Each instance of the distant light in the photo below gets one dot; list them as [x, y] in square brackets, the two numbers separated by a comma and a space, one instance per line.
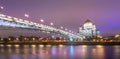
[51, 23]
[99, 46]
[53, 36]
[1, 7]
[41, 46]
[33, 46]
[66, 29]
[117, 35]
[42, 20]
[84, 46]
[69, 30]
[26, 15]
[61, 27]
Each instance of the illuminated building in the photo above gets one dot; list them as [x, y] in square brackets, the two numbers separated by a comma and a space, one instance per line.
[89, 30]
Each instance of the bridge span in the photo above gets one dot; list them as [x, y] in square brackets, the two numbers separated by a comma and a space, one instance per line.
[13, 22]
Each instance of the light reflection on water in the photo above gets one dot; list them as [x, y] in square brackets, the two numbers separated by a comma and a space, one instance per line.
[59, 52]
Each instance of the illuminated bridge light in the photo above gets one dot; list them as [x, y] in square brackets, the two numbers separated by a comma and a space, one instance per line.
[2, 15]
[9, 17]
[21, 20]
[15, 19]
[1, 7]
[26, 15]
[42, 20]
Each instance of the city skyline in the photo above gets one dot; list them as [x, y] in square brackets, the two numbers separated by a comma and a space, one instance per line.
[69, 14]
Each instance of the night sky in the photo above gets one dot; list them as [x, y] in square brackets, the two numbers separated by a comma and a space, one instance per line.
[70, 14]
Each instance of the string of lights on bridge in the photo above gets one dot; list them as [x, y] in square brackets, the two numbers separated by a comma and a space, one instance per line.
[9, 18]
[42, 21]
[51, 23]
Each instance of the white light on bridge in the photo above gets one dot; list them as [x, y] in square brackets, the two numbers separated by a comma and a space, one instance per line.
[61, 27]
[66, 29]
[51, 23]
[26, 15]
[2, 15]
[69, 30]
[42, 20]
[9, 17]
[1, 7]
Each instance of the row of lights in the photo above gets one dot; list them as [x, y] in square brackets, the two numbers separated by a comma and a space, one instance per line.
[42, 21]
[70, 32]
[27, 16]
[20, 20]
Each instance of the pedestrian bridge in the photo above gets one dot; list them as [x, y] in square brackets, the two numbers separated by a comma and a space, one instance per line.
[13, 22]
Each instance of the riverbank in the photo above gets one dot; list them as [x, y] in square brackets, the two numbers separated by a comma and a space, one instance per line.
[63, 43]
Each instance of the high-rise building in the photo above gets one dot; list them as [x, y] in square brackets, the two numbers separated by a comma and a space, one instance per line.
[89, 30]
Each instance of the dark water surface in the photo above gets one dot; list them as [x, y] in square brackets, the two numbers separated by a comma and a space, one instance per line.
[59, 52]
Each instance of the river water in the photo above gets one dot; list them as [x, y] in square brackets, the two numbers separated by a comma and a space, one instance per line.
[59, 52]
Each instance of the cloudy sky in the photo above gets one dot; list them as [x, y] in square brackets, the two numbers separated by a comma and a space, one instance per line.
[68, 13]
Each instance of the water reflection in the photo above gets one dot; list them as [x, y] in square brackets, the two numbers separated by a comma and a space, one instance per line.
[98, 52]
[71, 52]
[59, 52]
[116, 52]
[84, 48]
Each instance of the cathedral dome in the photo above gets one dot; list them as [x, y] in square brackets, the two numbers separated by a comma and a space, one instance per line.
[88, 24]
[88, 21]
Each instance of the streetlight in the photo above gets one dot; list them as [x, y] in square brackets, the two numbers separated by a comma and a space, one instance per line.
[1, 7]
[42, 20]
[26, 15]
[51, 23]
[61, 27]
[66, 29]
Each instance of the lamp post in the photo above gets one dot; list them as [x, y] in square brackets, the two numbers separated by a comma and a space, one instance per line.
[1, 8]
[26, 15]
[61, 27]
[42, 20]
[66, 29]
[51, 23]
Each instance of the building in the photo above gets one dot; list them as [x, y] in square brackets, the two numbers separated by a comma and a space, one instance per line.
[89, 30]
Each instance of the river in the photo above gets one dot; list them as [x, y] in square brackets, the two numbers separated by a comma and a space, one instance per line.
[59, 52]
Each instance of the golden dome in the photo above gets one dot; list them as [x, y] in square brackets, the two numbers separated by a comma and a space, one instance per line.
[88, 21]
